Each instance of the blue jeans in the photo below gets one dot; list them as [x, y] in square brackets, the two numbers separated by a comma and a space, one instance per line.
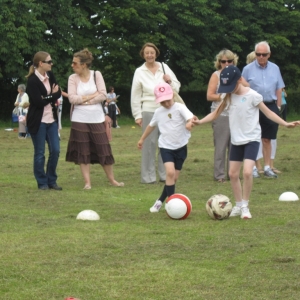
[46, 133]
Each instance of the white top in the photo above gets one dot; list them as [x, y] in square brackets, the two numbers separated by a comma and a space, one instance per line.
[106, 109]
[87, 113]
[60, 101]
[142, 90]
[171, 124]
[111, 96]
[244, 118]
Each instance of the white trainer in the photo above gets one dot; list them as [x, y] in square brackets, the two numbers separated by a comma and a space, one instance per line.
[236, 211]
[255, 173]
[245, 213]
[269, 173]
[156, 207]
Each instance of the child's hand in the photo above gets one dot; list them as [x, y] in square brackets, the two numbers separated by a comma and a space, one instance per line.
[196, 121]
[140, 144]
[292, 124]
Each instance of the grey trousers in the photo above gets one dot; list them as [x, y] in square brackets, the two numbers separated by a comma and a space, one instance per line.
[148, 170]
[222, 146]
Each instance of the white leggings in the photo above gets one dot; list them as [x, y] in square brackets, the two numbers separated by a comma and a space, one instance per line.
[273, 150]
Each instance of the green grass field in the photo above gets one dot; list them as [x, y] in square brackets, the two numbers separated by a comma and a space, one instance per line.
[131, 254]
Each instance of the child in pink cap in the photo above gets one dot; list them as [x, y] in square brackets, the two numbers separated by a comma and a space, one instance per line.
[174, 121]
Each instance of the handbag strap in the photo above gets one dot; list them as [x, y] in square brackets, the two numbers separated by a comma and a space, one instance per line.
[162, 64]
[97, 90]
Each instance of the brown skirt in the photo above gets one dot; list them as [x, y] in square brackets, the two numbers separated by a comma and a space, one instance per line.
[88, 144]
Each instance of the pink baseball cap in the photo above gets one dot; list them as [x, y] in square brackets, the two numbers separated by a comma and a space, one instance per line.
[162, 92]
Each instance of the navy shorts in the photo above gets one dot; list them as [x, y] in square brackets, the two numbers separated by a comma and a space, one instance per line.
[246, 151]
[269, 128]
[177, 156]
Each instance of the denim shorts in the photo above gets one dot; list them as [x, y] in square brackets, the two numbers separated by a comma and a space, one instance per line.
[176, 156]
[246, 151]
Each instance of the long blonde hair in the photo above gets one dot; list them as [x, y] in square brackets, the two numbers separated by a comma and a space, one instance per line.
[250, 57]
[223, 104]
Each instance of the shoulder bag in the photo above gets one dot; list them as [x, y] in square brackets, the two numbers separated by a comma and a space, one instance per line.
[177, 97]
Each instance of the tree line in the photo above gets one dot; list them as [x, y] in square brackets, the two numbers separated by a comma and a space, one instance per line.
[188, 33]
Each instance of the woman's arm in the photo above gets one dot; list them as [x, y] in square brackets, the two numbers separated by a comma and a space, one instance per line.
[212, 94]
[146, 133]
[244, 82]
[135, 99]
[25, 99]
[100, 95]
[279, 98]
[38, 93]
[64, 94]
[72, 90]
[171, 78]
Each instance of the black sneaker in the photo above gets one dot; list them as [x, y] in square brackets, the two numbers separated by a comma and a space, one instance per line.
[55, 187]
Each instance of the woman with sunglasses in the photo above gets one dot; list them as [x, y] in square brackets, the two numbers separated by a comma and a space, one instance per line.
[42, 123]
[88, 142]
[220, 126]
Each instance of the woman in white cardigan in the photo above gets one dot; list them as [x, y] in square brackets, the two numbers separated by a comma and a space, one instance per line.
[22, 98]
[143, 106]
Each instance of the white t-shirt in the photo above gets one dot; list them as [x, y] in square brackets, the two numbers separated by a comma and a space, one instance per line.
[171, 124]
[87, 113]
[244, 118]
[111, 96]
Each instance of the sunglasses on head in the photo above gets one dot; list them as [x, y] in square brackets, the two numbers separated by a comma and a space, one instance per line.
[262, 54]
[49, 62]
[224, 61]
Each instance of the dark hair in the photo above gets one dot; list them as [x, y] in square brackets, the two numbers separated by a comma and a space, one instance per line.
[111, 88]
[85, 56]
[149, 45]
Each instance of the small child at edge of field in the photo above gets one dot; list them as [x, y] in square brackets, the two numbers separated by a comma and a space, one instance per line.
[174, 121]
[243, 105]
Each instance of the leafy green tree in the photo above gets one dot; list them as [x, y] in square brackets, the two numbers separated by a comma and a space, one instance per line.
[188, 33]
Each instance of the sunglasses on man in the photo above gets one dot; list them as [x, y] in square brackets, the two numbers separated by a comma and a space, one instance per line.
[262, 54]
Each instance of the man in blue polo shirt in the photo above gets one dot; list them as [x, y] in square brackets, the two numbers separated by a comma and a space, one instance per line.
[265, 78]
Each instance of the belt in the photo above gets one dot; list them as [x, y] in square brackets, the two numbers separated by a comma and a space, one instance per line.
[270, 102]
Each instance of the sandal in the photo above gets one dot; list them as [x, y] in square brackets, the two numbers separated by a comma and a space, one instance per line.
[87, 187]
[276, 171]
[118, 184]
[221, 180]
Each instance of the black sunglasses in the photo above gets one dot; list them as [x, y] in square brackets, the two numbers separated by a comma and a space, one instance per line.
[49, 62]
[224, 61]
[262, 54]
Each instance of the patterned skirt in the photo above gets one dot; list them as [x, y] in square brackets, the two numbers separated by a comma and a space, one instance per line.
[88, 144]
